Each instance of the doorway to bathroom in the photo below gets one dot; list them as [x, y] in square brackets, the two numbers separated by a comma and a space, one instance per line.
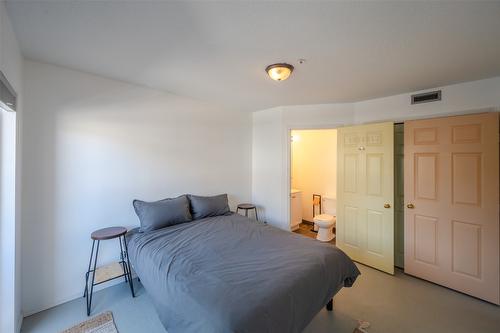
[313, 180]
[366, 166]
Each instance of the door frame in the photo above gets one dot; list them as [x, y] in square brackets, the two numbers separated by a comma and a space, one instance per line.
[9, 204]
[288, 159]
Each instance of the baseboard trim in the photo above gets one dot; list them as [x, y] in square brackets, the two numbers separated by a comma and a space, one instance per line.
[307, 222]
[19, 323]
[27, 313]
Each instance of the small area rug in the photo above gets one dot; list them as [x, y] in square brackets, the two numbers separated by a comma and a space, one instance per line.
[102, 323]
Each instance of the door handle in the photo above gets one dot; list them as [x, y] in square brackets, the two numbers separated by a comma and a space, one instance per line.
[387, 205]
[410, 205]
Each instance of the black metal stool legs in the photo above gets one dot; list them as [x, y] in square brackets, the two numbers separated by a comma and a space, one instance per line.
[115, 270]
[88, 271]
[89, 295]
[90, 282]
[122, 257]
[246, 211]
[129, 271]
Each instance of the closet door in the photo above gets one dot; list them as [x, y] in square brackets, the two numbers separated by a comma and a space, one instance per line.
[452, 193]
[365, 194]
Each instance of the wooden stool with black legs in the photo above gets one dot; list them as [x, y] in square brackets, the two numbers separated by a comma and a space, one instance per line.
[109, 272]
[246, 207]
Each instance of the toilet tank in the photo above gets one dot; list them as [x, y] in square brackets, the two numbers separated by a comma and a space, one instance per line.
[329, 206]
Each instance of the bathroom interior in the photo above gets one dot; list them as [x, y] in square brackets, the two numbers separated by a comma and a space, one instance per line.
[314, 183]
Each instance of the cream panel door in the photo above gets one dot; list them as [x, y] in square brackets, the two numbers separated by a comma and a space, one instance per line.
[365, 194]
[452, 193]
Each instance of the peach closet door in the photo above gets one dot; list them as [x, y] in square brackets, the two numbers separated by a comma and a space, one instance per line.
[365, 194]
[452, 194]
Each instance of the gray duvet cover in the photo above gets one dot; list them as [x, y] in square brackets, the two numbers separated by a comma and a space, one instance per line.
[232, 274]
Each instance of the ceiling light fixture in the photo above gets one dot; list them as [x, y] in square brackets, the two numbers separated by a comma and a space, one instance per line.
[279, 72]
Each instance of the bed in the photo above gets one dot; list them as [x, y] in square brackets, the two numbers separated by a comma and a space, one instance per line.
[232, 274]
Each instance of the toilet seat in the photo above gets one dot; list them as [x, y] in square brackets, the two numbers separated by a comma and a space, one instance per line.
[324, 219]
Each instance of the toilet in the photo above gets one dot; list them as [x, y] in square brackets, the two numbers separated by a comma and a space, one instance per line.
[325, 224]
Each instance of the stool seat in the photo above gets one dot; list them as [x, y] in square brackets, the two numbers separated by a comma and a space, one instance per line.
[246, 206]
[108, 233]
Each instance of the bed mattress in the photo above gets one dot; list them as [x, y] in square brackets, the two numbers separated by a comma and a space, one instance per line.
[233, 274]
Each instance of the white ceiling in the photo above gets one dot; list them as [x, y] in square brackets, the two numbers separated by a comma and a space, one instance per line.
[217, 51]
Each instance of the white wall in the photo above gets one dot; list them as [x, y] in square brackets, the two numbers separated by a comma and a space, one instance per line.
[92, 145]
[467, 97]
[268, 163]
[271, 144]
[314, 166]
[10, 232]
[271, 152]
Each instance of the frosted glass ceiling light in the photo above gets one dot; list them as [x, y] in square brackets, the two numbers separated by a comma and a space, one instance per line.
[279, 72]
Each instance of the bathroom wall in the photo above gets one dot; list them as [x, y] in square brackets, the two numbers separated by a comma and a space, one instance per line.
[314, 165]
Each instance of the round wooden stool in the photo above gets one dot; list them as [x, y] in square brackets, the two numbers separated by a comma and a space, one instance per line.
[246, 207]
[111, 271]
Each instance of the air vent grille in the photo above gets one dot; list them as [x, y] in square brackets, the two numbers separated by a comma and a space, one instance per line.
[427, 97]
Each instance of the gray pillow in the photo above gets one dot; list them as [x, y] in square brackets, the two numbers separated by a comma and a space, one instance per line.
[163, 213]
[208, 206]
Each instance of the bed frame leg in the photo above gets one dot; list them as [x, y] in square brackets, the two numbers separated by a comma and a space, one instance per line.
[329, 305]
